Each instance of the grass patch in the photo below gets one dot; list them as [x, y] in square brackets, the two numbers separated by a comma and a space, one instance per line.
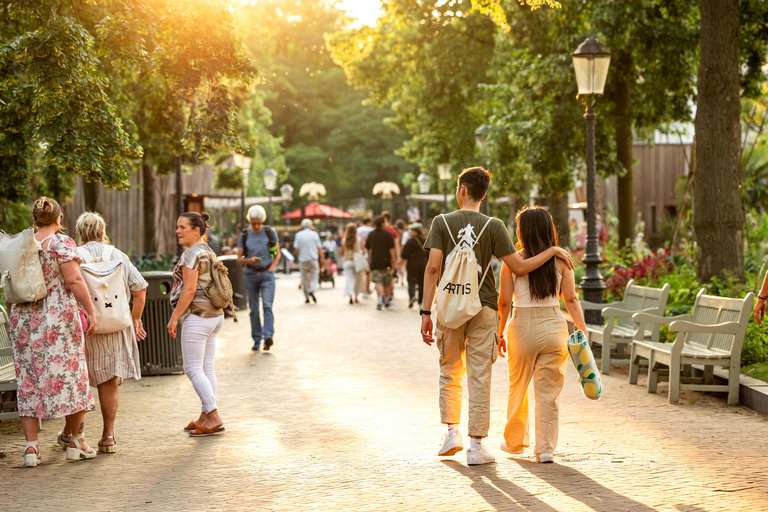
[757, 370]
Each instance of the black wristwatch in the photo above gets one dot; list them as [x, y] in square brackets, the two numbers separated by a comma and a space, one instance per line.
[425, 312]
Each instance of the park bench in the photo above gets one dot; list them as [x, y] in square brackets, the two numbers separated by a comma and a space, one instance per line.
[621, 331]
[711, 335]
[7, 371]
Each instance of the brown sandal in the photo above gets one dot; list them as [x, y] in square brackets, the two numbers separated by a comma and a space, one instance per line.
[191, 427]
[202, 431]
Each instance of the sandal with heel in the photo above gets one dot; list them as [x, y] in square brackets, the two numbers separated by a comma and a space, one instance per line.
[77, 453]
[107, 448]
[32, 459]
[60, 439]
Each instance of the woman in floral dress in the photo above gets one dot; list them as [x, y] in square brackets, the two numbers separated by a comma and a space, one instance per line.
[47, 340]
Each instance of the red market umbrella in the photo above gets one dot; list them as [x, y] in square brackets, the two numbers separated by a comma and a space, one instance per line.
[318, 211]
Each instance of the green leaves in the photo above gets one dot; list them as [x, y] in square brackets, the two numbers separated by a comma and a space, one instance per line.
[60, 103]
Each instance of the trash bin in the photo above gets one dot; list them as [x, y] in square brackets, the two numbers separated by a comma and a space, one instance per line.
[236, 278]
[160, 354]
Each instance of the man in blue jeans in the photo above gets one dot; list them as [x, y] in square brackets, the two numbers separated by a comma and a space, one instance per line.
[255, 249]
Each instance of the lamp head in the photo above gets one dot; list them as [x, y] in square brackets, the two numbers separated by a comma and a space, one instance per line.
[270, 180]
[444, 171]
[591, 61]
[423, 181]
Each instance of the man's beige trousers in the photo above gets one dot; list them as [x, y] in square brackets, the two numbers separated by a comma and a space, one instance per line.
[537, 340]
[473, 348]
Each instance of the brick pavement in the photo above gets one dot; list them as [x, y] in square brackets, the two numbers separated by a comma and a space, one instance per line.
[342, 415]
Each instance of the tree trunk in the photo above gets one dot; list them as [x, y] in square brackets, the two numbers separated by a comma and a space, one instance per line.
[622, 99]
[92, 199]
[718, 217]
[558, 208]
[148, 193]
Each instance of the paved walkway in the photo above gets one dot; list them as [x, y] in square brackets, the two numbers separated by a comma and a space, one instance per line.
[342, 415]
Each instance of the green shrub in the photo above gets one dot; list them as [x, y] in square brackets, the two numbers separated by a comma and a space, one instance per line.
[152, 262]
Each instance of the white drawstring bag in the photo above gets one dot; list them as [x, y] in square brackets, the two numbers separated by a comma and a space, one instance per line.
[106, 287]
[458, 293]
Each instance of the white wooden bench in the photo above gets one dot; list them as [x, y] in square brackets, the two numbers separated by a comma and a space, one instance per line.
[637, 299]
[7, 371]
[711, 335]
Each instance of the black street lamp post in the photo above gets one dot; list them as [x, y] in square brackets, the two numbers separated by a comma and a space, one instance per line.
[591, 61]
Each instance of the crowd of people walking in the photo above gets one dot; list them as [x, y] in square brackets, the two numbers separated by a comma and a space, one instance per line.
[81, 333]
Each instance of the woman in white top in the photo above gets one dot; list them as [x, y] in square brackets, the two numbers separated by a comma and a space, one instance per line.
[111, 357]
[537, 335]
[350, 246]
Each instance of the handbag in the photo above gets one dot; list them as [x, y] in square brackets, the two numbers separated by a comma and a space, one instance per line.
[584, 362]
[361, 264]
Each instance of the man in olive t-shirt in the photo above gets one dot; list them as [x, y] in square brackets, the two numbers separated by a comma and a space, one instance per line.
[475, 342]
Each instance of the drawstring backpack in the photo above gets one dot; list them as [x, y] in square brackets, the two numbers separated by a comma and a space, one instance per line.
[458, 294]
[106, 286]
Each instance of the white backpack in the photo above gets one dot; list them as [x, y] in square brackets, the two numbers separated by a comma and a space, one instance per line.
[458, 294]
[21, 274]
[106, 287]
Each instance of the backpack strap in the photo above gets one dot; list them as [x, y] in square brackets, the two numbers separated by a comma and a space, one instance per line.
[481, 233]
[270, 236]
[448, 228]
[244, 238]
[84, 255]
[485, 273]
[107, 254]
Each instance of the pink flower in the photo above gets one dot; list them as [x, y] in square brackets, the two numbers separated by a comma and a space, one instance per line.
[38, 343]
[53, 386]
[40, 410]
[38, 367]
[27, 388]
[51, 336]
[68, 316]
[14, 319]
[36, 321]
[73, 364]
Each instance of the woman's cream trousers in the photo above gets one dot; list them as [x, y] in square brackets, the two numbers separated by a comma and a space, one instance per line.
[537, 340]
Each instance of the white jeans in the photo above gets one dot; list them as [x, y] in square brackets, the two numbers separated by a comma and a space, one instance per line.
[198, 347]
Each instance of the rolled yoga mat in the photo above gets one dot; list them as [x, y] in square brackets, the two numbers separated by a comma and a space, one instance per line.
[584, 361]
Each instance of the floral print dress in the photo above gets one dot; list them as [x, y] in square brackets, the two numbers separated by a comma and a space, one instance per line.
[48, 344]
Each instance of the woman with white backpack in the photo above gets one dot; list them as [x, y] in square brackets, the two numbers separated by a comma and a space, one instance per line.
[47, 339]
[112, 352]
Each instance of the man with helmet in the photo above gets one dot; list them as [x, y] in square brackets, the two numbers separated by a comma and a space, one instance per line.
[257, 250]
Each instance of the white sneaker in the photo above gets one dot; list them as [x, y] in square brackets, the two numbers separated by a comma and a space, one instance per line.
[479, 456]
[505, 448]
[452, 444]
[545, 458]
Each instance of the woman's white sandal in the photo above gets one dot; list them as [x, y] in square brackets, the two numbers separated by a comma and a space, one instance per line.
[77, 453]
[32, 459]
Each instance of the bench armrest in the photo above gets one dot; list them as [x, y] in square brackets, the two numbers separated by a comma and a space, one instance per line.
[587, 305]
[623, 313]
[723, 328]
[647, 318]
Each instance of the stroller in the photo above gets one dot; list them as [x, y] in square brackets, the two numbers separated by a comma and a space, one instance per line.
[328, 270]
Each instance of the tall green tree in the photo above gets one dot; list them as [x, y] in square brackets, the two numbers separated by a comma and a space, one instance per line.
[330, 133]
[425, 60]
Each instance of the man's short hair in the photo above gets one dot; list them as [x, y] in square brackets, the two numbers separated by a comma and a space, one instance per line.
[366, 221]
[378, 222]
[306, 223]
[477, 180]
[386, 215]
